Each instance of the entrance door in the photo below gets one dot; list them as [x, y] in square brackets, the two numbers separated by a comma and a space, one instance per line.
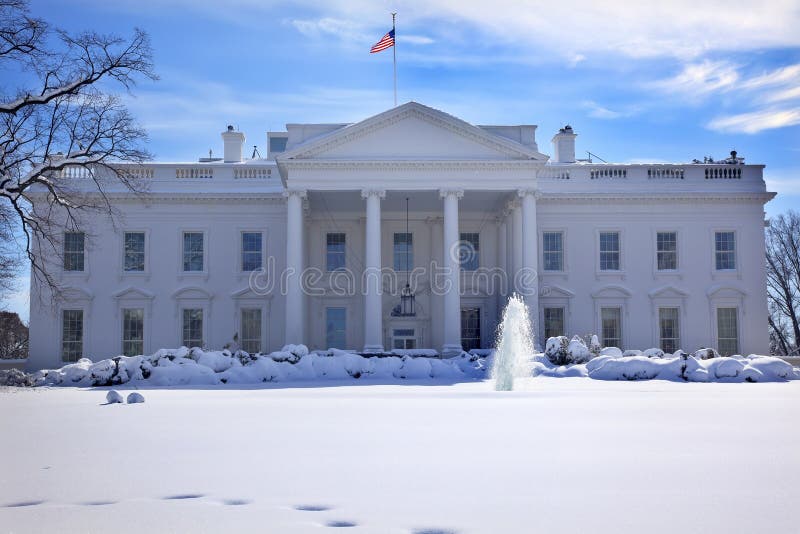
[404, 338]
[470, 328]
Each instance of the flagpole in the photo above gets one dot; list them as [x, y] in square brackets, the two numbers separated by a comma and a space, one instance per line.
[394, 56]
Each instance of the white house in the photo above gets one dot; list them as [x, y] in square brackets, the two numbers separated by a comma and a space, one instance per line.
[316, 243]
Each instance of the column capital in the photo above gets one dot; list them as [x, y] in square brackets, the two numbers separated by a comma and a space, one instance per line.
[510, 206]
[302, 193]
[522, 193]
[380, 193]
[444, 193]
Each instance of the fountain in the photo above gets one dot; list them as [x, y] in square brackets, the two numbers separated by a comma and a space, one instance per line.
[515, 344]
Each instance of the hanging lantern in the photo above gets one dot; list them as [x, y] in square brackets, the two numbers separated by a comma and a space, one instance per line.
[407, 302]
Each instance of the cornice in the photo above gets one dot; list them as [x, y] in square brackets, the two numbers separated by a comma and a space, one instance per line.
[654, 197]
[413, 165]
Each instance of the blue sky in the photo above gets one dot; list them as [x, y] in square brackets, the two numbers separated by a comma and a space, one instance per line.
[644, 81]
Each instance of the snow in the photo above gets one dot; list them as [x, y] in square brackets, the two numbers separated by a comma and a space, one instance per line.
[554, 455]
[183, 367]
[135, 398]
[113, 397]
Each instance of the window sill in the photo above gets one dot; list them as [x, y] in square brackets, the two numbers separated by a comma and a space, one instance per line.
[666, 274]
[726, 275]
[610, 274]
[193, 275]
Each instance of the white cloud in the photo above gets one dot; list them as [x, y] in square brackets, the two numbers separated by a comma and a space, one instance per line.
[415, 39]
[599, 112]
[756, 121]
[784, 182]
[698, 80]
[677, 28]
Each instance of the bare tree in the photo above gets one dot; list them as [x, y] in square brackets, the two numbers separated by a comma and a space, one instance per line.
[64, 130]
[13, 336]
[783, 282]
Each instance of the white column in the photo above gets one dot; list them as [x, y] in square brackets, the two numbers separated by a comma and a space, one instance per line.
[517, 242]
[294, 267]
[373, 309]
[452, 298]
[530, 248]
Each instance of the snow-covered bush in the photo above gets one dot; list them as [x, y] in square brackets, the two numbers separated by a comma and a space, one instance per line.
[113, 397]
[595, 347]
[706, 354]
[556, 350]
[577, 351]
[135, 398]
[168, 367]
[15, 377]
[654, 353]
[632, 352]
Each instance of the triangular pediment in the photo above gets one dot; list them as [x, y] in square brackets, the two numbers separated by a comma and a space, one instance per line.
[411, 132]
[668, 292]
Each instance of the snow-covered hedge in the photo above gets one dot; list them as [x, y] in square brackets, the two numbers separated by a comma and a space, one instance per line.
[574, 358]
[293, 363]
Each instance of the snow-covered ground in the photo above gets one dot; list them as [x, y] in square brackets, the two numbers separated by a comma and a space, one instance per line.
[555, 455]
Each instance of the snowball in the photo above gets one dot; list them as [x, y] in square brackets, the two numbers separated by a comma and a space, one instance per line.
[113, 397]
[134, 398]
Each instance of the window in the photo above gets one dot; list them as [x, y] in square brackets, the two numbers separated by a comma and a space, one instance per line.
[335, 244]
[667, 251]
[553, 322]
[725, 251]
[132, 331]
[468, 251]
[669, 329]
[192, 251]
[611, 324]
[251, 251]
[74, 255]
[72, 335]
[193, 327]
[336, 328]
[403, 338]
[134, 251]
[727, 331]
[403, 252]
[553, 251]
[470, 328]
[251, 330]
[609, 251]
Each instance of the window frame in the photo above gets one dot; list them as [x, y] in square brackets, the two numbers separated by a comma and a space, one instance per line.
[83, 253]
[242, 252]
[203, 326]
[563, 320]
[621, 239]
[241, 311]
[620, 332]
[146, 252]
[464, 307]
[327, 252]
[409, 251]
[734, 253]
[738, 338]
[677, 329]
[125, 309]
[676, 251]
[62, 341]
[181, 233]
[475, 246]
[563, 253]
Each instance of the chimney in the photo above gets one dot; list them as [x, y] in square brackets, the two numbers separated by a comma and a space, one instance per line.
[233, 142]
[564, 145]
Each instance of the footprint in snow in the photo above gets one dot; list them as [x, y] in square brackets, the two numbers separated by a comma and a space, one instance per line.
[434, 531]
[99, 503]
[23, 504]
[184, 496]
[235, 502]
[341, 524]
[312, 507]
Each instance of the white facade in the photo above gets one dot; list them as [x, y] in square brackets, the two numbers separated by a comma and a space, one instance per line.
[580, 240]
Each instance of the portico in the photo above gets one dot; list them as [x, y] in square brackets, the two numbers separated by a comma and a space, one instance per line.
[362, 174]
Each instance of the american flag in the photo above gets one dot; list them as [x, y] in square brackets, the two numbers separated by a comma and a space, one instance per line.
[387, 41]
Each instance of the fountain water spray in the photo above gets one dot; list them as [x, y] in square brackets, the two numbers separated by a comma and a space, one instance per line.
[514, 346]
